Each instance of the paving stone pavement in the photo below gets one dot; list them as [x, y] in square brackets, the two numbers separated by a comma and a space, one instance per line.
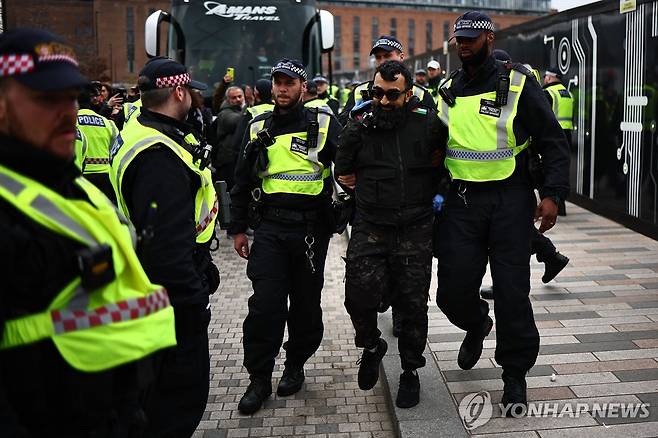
[598, 322]
[330, 405]
[599, 335]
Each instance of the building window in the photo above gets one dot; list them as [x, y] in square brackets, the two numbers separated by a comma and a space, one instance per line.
[394, 27]
[446, 30]
[375, 29]
[130, 38]
[411, 37]
[428, 36]
[338, 29]
[356, 42]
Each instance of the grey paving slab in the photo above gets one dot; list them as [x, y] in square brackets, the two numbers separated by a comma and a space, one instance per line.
[588, 347]
[566, 316]
[637, 375]
[616, 250]
[617, 336]
[639, 430]
[488, 373]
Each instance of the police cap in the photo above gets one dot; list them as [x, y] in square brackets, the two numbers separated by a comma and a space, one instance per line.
[472, 24]
[164, 72]
[387, 43]
[39, 60]
[291, 68]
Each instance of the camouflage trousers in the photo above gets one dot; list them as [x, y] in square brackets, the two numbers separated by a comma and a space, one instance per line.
[386, 263]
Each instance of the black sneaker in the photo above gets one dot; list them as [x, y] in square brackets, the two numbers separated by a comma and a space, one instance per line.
[487, 293]
[515, 394]
[409, 390]
[471, 348]
[369, 365]
[291, 381]
[257, 392]
[554, 266]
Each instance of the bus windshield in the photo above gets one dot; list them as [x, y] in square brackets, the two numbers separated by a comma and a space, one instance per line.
[248, 36]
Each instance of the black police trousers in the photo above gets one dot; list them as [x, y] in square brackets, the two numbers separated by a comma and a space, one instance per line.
[178, 398]
[493, 223]
[395, 262]
[279, 270]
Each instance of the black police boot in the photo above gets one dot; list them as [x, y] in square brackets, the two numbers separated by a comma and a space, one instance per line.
[487, 293]
[397, 323]
[369, 365]
[515, 394]
[257, 392]
[553, 266]
[471, 349]
[409, 390]
[291, 381]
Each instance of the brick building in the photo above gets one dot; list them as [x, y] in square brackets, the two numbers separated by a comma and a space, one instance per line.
[421, 26]
[108, 35]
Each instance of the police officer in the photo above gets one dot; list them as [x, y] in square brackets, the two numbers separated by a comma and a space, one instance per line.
[491, 110]
[386, 48]
[386, 153]
[160, 175]
[311, 98]
[72, 364]
[100, 133]
[283, 190]
[561, 102]
[324, 95]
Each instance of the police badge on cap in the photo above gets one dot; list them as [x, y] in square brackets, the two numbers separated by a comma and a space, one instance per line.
[291, 68]
[472, 24]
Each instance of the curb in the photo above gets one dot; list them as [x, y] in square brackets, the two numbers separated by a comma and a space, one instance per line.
[436, 415]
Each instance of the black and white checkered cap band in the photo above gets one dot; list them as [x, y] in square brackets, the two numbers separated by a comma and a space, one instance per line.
[476, 25]
[290, 67]
[389, 43]
[172, 81]
[11, 65]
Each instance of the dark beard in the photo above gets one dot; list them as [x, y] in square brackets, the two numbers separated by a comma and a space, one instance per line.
[388, 119]
[478, 57]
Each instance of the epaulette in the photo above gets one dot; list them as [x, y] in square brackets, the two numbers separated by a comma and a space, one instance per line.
[509, 66]
[422, 87]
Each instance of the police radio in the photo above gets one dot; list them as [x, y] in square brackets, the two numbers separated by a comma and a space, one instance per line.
[312, 132]
[502, 89]
[447, 95]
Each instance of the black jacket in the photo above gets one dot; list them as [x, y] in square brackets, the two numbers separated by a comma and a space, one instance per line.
[39, 391]
[344, 115]
[534, 119]
[395, 179]
[228, 119]
[172, 257]
[294, 121]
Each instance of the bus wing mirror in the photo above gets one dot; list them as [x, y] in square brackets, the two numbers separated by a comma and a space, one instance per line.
[327, 30]
[152, 33]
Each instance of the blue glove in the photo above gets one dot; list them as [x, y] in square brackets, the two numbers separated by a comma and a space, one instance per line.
[437, 204]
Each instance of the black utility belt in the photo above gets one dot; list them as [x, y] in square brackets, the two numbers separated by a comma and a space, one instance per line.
[285, 215]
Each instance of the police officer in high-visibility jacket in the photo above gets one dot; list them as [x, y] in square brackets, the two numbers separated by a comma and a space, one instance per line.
[283, 190]
[99, 133]
[560, 99]
[491, 110]
[561, 102]
[79, 318]
[386, 48]
[160, 175]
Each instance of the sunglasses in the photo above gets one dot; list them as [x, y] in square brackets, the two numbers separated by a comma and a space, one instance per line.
[379, 93]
